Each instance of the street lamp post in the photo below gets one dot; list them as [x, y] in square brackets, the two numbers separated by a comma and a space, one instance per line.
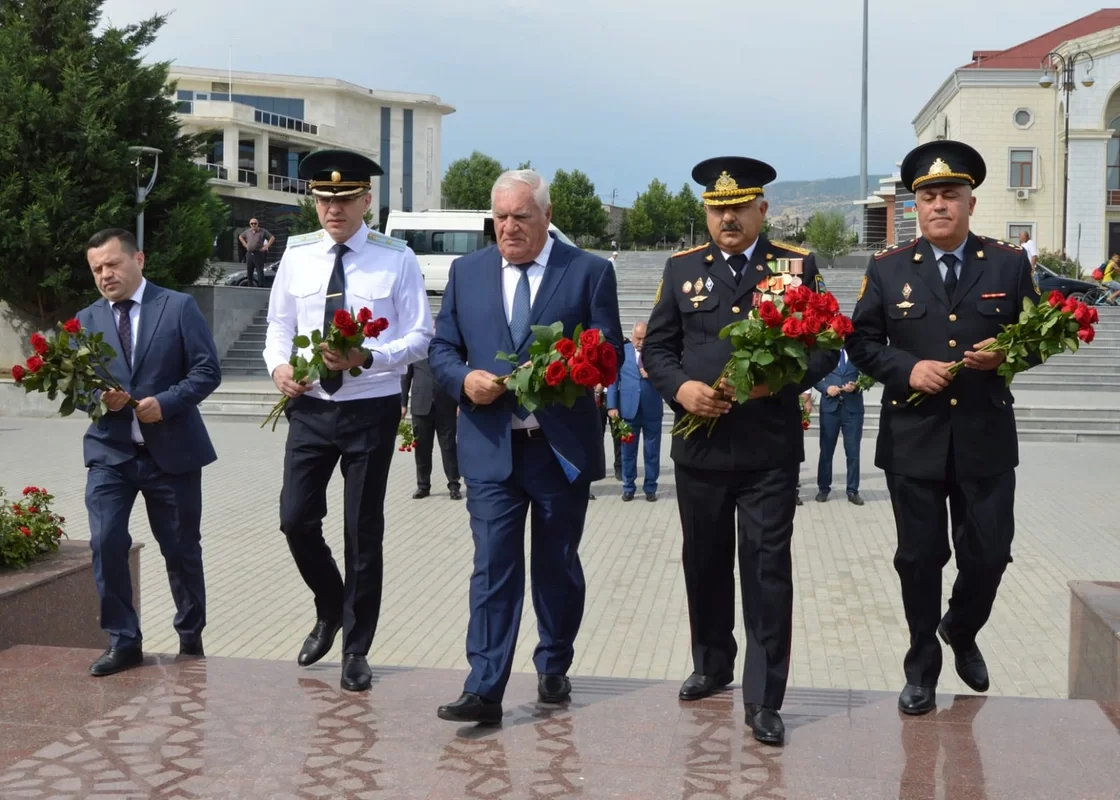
[1064, 71]
[142, 192]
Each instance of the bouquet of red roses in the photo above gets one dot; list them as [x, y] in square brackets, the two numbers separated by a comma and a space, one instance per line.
[75, 364]
[771, 346]
[560, 370]
[348, 331]
[621, 430]
[408, 437]
[806, 415]
[1053, 325]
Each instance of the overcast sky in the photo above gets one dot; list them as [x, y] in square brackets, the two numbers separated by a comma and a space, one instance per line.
[626, 90]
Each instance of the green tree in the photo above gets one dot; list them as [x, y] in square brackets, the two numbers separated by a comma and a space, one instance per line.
[693, 218]
[468, 181]
[637, 228]
[576, 208]
[73, 99]
[306, 218]
[827, 234]
[660, 219]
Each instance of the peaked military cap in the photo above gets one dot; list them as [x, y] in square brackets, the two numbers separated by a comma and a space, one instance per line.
[731, 180]
[942, 161]
[338, 173]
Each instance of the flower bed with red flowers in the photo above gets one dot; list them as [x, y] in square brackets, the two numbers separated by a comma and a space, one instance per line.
[28, 528]
[1054, 325]
[347, 332]
[771, 346]
[559, 369]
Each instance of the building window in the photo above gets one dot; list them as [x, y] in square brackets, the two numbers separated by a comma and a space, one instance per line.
[406, 171]
[385, 155]
[1015, 228]
[1022, 169]
[1023, 118]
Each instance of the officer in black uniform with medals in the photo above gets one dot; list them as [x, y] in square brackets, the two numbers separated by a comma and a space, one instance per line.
[923, 306]
[748, 467]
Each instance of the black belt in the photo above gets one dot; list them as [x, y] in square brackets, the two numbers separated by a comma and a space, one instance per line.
[527, 433]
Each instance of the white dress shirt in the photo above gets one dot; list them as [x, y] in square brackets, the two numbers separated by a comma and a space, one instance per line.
[383, 275]
[511, 275]
[134, 318]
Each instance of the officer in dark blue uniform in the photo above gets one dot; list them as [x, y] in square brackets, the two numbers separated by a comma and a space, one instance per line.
[923, 306]
[748, 467]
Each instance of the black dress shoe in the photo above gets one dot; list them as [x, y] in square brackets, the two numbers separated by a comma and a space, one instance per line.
[116, 659]
[916, 700]
[554, 688]
[319, 642]
[798, 499]
[191, 647]
[420, 494]
[698, 686]
[651, 497]
[822, 497]
[618, 474]
[356, 675]
[766, 724]
[627, 497]
[855, 499]
[969, 662]
[591, 495]
[455, 493]
[471, 708]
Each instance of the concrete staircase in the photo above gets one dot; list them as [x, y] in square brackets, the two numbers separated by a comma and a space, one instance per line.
[1064, 400]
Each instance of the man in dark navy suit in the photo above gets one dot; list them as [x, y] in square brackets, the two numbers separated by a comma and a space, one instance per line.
[516, 463]
[633, 398]
[841, 410]
[167, 361]
[433, 415]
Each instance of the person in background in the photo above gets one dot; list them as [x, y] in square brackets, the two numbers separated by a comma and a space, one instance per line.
[806, 400]
[841, 410]
[434, 413]
[1111, 278]
[633, 398]
[1029, 247]
[256, 241]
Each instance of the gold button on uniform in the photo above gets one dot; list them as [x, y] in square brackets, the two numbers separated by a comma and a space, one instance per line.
[734, 309]
[953, 402]
[952, 342]
[894, 402]
[952, 317]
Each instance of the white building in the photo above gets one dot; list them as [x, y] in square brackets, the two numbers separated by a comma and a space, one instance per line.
[260, 126]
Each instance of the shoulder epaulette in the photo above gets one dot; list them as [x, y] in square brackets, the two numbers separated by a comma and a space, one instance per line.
[305, 238]
[895, 248]
[386, 241]
[1000, 243]
[686, 252]
[801, 251]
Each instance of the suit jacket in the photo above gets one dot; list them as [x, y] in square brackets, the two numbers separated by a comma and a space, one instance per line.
[577, 289]
[904, 316]
[631, 391]
[846, 372]
[428, 397]
[175, 361]
[683, 344]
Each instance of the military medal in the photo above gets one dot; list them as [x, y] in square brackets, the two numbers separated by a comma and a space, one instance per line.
[698, 286]
[708, 284]
[906, 292]
[795, 281]
[797, 266]
[687, 288]
[781, 265]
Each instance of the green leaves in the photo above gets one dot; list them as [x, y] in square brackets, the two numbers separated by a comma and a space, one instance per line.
[302, 342]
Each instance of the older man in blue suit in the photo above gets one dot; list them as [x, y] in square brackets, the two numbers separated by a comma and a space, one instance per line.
[167, 361]
[516, 463]
[841, 410]
[634, 399]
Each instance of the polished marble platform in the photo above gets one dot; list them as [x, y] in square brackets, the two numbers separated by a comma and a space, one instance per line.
[233, 728]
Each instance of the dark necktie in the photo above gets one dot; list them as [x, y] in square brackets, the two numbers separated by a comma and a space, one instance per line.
[124, 328]
[519, 317]
[950, 261]
[737, 262]
[336, 299]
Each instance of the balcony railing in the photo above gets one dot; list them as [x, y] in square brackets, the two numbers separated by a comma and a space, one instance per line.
[217, 170]
[288, 123]
[281, 183]
[247, 176]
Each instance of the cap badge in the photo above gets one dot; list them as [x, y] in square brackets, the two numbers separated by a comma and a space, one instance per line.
[939, 167]
[725, 183]
[336, 177]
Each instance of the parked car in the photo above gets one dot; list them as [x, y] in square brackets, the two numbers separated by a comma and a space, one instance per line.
[240, 278]
[1049, 281]
[438, 237]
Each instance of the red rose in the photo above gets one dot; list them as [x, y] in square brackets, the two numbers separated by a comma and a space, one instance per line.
[818, 302]
[812, 323]
[28, 490]
[842, 326]
[1094, 317]
[1055, 299]
[556, 373]
[804, 424]
[33, 510]
[369, 330]
[381, 324]
[17, 510]
[364, 316]
[1083, 316]
[18, 373]
[797, 298]
[72, 326]
[34, 363]
[1086, 334]
[585, 374]
[833, 304]
[792, 327]
[608, 358]
[39, 344]
[25, 531]
[769, 314]
[58, 532]
[342, 319]
[1070, 304]
[566, 347]
[589, 339]
[589, 353]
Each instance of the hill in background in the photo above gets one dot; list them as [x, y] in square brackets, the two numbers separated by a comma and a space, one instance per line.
[802, 199]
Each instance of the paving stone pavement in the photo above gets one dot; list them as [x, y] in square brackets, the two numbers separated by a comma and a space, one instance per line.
[849, 624]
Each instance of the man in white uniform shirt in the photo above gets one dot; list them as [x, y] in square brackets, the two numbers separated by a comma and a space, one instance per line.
[353, 419]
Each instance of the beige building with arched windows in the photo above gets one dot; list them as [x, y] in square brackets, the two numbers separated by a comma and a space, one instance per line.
[997, 104]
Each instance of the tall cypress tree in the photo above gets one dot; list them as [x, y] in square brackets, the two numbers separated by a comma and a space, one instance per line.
[72, 102]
